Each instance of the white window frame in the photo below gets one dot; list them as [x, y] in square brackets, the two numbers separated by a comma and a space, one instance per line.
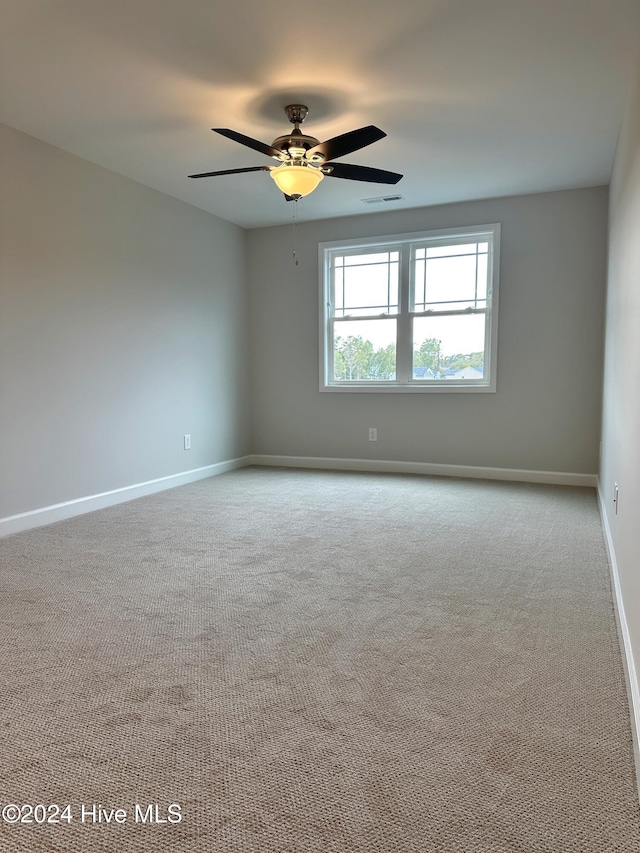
[405, 243]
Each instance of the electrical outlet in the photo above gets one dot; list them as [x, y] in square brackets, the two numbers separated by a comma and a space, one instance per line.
[615, 496]
[187, 442]
[373, 433]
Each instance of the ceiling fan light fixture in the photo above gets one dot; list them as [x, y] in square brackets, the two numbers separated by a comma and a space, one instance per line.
[297, 181]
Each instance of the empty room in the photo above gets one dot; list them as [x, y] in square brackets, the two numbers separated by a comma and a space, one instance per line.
[319, 426]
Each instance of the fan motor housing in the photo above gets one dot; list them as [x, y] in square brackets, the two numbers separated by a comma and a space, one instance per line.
[295, 139]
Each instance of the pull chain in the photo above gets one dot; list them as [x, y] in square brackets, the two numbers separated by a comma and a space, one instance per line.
[295, 232]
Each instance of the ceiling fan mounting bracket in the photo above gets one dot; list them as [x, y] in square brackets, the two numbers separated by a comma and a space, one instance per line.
[296, 113]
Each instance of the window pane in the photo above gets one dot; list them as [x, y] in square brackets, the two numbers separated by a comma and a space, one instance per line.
[419, 293]
[364, 350]
[339, 289]
[449, 348]
[374, 286]
[373, 258]
[451, 279]
[444, 251]
[482, 276]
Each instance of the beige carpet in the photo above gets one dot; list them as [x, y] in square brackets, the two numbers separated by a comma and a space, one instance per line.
[316, 662]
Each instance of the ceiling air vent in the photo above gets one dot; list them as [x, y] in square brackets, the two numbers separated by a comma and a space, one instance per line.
[381, 199]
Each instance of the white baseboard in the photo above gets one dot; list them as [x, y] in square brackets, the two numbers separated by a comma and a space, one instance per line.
[625, 639]
[78, 506]
[429, 468]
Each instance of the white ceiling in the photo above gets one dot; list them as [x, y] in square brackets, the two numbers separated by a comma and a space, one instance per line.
[479, 98]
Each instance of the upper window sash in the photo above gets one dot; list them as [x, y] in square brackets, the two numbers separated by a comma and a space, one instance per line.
[365, 283]
[471, 256]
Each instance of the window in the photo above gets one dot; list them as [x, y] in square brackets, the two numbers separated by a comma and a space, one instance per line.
[413, 312]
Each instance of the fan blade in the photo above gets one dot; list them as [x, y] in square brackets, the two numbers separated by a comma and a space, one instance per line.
[345, 144]
[262, 147]
[361, 173]
[233, 171]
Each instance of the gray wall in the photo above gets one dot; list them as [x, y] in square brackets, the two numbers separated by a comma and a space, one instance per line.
[546, 412]
[122, 327]
[621, 404]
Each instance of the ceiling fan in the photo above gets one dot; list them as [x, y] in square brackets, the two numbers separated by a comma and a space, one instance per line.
[304, 161]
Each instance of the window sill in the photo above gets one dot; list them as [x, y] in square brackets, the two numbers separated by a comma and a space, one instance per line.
[413, 388]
